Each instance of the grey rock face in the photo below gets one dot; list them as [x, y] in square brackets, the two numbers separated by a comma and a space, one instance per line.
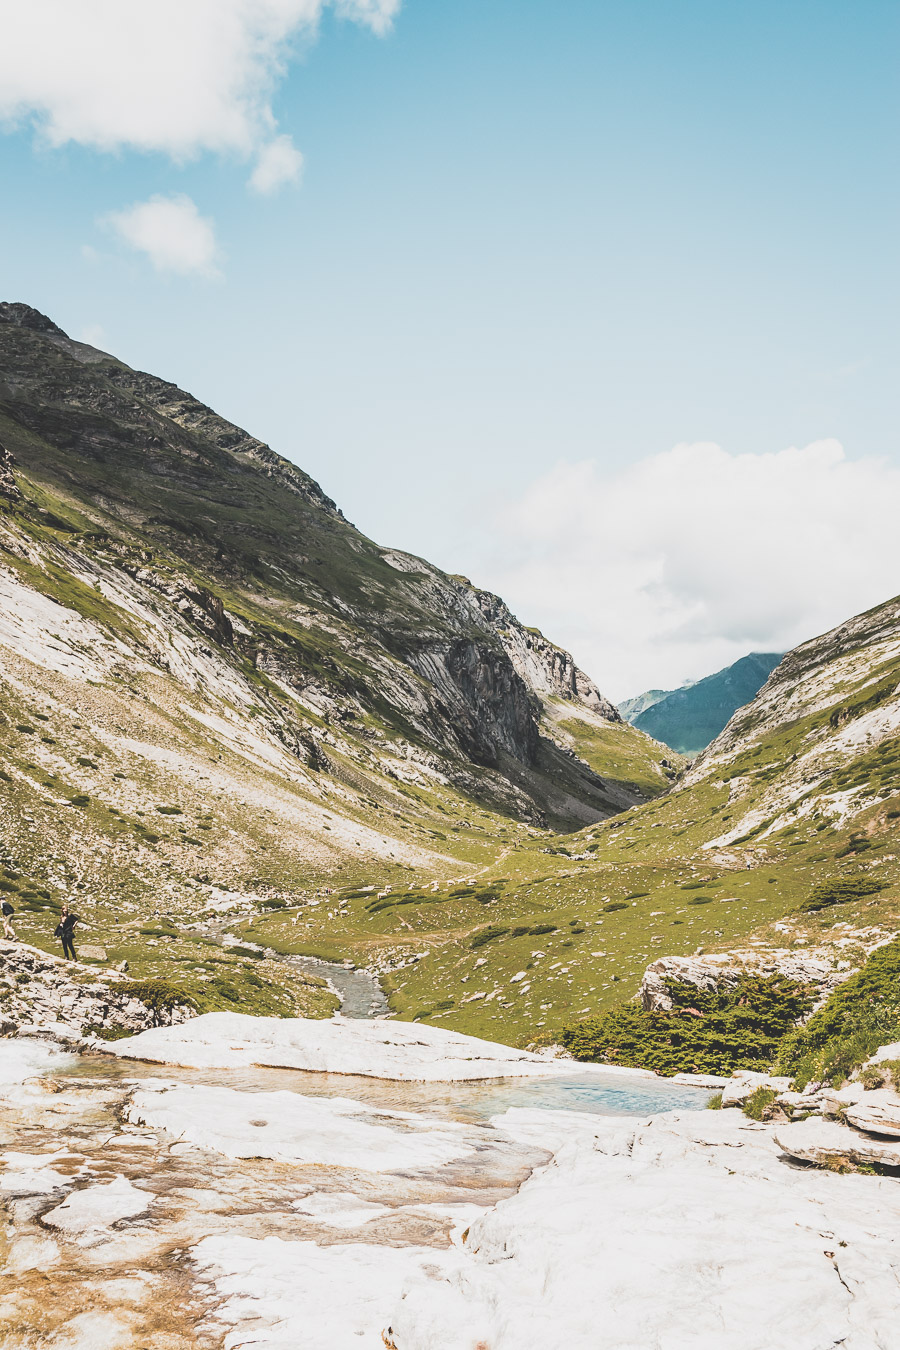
[42, 991]
[825, 1141]
[193, 514]
[9, 488]
[727, 968]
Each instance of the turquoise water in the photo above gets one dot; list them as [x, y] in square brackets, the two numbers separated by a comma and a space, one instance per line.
[608, 1094]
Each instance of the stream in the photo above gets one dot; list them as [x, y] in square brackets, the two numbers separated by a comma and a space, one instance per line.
[360, 993]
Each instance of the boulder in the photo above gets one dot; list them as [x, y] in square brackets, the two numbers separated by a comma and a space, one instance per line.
[88, 953]
[744, 1083]
[884, 1052]
[814, 967]
[826, 1142]
[877, 1111]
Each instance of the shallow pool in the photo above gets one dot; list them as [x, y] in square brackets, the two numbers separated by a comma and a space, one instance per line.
[608, 1094]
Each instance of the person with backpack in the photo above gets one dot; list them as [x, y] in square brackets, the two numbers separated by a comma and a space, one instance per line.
[64, 930]
[8, 912]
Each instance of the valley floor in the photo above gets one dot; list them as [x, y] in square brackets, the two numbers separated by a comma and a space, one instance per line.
[168, 1207]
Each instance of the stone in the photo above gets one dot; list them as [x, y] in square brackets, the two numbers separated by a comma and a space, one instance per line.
[744, 1083]
[726, 968]
[88, 953]
[826, 1142]
[884, 1052]
[877, 1111]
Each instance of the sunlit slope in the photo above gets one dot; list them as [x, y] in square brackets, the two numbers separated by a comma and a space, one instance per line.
[804, 791]
[128, 484]
[218, 698]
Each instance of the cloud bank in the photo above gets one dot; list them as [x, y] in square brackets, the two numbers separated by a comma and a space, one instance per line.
[176, 76]
[680, 564]
[171, 232]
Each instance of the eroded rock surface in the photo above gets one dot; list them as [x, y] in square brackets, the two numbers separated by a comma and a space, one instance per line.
[39, 991]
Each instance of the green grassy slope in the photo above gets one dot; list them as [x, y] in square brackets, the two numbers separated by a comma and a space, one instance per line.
[221, 708]
[675, 876]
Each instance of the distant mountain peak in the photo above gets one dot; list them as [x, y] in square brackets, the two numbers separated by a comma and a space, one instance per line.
[690, 718]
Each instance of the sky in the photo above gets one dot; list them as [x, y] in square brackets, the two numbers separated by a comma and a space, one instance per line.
[593, 301]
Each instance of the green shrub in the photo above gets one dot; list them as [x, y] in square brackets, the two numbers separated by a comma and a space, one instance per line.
[487, 935]
[701, 900]
[158, 995]
[886, 1073]
[862, 1014]
[715, 1102]
[538, 929]
[170, 810]
[614, 905]
[106, 1032]
[839, 891]
[758, 1103]
[737, 1026]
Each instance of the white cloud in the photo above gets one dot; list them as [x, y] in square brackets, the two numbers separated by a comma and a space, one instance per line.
[278, 163]
[685, 561]
[171, 231]
[177, 76]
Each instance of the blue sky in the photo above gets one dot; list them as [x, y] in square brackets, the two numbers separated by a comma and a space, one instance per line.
[534, 247]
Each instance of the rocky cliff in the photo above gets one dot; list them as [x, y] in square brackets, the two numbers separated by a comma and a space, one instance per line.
[147, 496]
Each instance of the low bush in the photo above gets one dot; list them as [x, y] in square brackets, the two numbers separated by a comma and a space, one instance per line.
[839, 891]
[758, 1105]
[886, 1073]
[158, 995]
[738, 1026]
[105, 1031]
[487, 935]
[862, 1014]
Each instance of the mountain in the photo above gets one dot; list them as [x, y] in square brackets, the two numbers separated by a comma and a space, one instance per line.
[236, 731]
[687, 719]
[778, 850]
[631, 707]
[214, 686]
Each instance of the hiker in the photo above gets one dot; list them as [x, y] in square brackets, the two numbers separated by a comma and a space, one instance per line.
[8, 912]
[64, 930]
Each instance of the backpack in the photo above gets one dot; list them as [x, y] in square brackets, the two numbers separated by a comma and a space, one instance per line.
[7, 908]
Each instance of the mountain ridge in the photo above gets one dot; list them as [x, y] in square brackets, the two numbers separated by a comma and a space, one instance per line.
[687, 719]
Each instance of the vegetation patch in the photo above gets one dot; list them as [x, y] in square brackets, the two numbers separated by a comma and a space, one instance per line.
[839, 891]
[758, 1105]
[862, 1014]
[488, 935]
[738, 1026]
[159, 996]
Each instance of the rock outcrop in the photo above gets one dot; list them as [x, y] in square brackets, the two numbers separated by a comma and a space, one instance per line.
[9, 488]
[168, 510]
[67, 1000]
[819, 969]
[830, 1144]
